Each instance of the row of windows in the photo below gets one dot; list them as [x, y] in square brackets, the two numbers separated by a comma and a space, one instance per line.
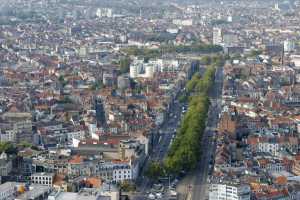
[41, 178]
[230, 191]
[43, 182]
[123, 171]
[125, 177]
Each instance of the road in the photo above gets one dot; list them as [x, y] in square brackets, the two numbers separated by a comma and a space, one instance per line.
[198, 178]
[199, 186]
[160, 150]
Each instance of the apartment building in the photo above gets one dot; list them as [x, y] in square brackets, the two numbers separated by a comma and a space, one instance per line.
[42, 178]
[223, 191]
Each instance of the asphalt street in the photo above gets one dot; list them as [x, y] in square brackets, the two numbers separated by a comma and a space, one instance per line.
[199, 188]
[167, 132]
[196, 182]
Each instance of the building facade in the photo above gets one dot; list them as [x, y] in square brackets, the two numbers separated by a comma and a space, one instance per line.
[229, 192]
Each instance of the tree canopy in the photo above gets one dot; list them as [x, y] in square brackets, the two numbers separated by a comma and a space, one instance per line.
[125, 65]
[170, 48]
[154, 170]
[185, 150]
[8, 148]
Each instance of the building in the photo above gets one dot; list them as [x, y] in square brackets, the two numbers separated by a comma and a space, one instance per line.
[147, 70]
[79, 135]
[106, 192]
[229, 192]
[183, 22]
[100, 112]
[116, 172]
[33, 192]
[109, 78]
[42, 178]
[228, 124]
[104, 12]
[230, 40]
[295, 59]
[217, 36]
[288, 45]
[83, 51]
[123, 82]
[136, 68]
[5, 165]
[271, 147]
[8, 136]
[8, 191]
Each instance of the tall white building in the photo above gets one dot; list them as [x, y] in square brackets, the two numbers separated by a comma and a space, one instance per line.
[217, 36]
[104, 12]
[229, 192]
[133, 71]
[147, 70]
[288, 45]
[229, 18]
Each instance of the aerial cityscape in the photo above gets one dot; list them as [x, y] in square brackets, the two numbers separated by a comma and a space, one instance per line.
[145, 100]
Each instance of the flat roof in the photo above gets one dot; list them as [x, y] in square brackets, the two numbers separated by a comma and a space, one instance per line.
[7, 185]
[74, 196]
[43, 174]
[34, 192]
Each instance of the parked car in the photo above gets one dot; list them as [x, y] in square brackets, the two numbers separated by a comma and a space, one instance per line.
[151, 196]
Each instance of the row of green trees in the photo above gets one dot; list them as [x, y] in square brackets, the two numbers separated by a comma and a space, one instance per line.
[193, 48]
[217, 60]
[124, 64]
[143, 52]
[12, 149]
[8, 148]
[155, 170]
[185, 150]
[198, 85]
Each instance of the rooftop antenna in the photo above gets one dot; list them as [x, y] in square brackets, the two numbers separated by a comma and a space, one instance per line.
[282, 55]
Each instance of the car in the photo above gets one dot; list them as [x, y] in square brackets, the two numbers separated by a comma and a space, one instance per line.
[173, 193]
[173, 185]
[158, 188]
[158, 195]
[151, 196]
